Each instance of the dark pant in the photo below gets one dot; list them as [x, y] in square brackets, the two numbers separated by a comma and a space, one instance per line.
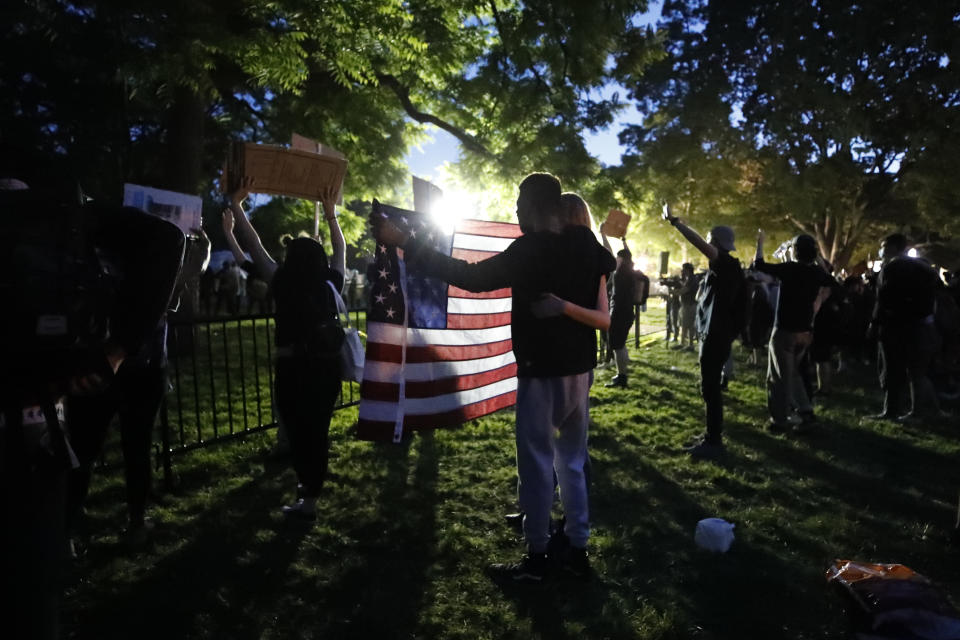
[905, 355]
[307, 390]
[135, 395]
[31, 541]
[714, 352]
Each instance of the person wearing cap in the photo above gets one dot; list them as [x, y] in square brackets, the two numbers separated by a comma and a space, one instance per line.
[801, 281]
[903, 320]
[719, 319]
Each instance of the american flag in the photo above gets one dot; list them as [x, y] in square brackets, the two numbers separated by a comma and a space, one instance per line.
[437, 355]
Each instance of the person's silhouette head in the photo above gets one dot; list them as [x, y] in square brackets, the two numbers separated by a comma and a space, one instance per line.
[538, 203]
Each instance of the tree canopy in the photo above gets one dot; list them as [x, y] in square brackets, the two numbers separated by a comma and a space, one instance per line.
[835, 118]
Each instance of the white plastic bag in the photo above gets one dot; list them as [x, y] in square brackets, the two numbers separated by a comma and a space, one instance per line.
[351, 353]
[714, 534]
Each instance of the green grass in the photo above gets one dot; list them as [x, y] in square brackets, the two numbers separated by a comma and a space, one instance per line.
[405, 531]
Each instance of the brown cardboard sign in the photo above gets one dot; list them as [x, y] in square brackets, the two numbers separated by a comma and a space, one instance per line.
[615, 226]
[276, 170]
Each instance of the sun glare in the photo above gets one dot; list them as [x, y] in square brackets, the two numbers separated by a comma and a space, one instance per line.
[455, 205]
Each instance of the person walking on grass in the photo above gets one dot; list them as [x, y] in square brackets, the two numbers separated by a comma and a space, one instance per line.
[308, 339]
[555, 360]
[801, 281]
[719, 319]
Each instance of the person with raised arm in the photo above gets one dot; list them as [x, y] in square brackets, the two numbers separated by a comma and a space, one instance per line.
[719, 316]
[308, 339]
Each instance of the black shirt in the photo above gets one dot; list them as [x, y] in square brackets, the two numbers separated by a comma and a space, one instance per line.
[624, 292]
[799, 286]
[721, 298]
[568, 265]
[906, 292]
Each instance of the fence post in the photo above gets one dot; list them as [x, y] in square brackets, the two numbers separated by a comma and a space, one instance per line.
[165, 450]
[636, 326]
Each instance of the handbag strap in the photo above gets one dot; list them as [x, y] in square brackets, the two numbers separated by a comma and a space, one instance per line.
[341, 305]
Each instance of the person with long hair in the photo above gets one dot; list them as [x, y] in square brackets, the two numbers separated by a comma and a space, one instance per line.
[621, 316]
[308, 338]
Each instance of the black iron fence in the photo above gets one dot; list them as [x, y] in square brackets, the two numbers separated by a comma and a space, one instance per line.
[221, 382]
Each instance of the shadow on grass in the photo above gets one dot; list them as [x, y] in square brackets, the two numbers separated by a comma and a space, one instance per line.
[384, 582]
[218, 566]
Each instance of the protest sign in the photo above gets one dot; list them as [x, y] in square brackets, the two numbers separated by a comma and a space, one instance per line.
[181, 209]
[616, 223]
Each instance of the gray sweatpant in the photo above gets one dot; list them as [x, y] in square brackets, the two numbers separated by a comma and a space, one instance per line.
[552, 418]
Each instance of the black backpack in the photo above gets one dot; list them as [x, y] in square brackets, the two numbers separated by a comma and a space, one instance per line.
[57, 292]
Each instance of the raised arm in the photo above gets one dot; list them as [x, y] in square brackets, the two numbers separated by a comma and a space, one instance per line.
[692, 236]
[605, 239]
[338, 259]
[761, 236]
[248, 236]
[227, 220]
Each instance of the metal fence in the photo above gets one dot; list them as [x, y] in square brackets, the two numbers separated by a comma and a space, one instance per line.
[221, 381]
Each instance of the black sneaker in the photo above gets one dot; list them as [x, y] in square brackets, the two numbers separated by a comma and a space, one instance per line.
[576, 563]
[532, 569]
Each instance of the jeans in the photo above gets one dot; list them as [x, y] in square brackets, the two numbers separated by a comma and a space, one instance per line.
[905, 354]
[552, 418]
[785, 387]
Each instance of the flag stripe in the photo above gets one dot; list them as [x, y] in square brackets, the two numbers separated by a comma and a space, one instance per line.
[488, 228]
[420, 371]
[392, 333]
[482, 295]
[472, 256]
[390, 392]
[466, 305]
[473, 321]
[381, 352]
[480, 243]
[375, 410]
[379, 430]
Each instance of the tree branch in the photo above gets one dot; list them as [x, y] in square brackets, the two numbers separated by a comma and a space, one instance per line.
[403, 94]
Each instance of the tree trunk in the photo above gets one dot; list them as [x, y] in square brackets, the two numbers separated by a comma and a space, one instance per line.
[184, 145]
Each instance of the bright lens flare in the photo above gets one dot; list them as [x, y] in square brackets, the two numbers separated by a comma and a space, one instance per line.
[451, 208]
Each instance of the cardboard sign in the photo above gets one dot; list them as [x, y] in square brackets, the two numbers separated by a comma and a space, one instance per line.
[615, 226]
[179, 208]
[276, 170]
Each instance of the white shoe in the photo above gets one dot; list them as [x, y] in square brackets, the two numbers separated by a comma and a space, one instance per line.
[304, 509]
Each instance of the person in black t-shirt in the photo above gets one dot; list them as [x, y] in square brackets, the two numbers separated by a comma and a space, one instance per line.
[800, 283]
[555, 358]
[719, 320]
[308, 338]
[903, 320]
[621, 315]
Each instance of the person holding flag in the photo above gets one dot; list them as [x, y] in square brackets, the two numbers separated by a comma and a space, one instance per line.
[555, 357]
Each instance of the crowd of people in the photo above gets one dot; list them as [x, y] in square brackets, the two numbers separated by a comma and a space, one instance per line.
[796, 310]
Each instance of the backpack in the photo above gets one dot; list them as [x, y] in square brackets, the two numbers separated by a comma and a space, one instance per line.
[56, 289]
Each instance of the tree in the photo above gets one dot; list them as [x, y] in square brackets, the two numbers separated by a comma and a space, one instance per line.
[828, 110]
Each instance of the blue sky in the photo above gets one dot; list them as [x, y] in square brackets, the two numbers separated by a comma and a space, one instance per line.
[442, 147]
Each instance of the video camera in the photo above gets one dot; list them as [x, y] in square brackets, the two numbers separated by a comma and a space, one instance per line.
[671, 282]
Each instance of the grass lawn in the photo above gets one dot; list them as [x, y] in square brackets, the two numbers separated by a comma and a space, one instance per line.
[405, 531]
